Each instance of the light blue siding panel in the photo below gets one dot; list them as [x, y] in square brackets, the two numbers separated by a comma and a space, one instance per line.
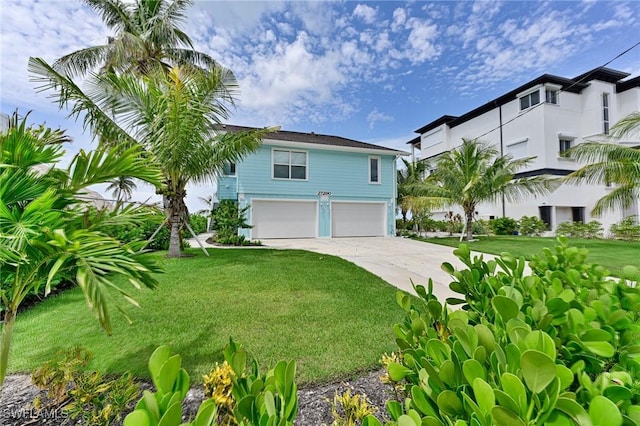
[341, 173]
[227, 188]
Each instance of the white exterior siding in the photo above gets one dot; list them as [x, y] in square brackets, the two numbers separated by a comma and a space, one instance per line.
[536, 132]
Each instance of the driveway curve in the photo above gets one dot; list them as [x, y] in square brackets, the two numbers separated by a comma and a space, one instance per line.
[396, 260]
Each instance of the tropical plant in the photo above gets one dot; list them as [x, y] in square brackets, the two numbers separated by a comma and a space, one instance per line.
[504, 226]
[612, 164]
[228, 217]
[531, 226]
[557, 346]
[44, 232]
[147, 37]
[475, 173]
[86, 394]
[122, 188]
[627, 229]
[413, 172]
[176, 117]
[164, 406]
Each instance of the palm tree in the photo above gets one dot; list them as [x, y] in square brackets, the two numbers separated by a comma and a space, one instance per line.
[411, 174]
[147, 36]
[46, 231]
[475, 173]
[611, 163]
[122, 188]
[176, 117]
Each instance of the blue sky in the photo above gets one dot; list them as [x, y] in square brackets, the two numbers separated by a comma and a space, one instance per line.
[371, 71]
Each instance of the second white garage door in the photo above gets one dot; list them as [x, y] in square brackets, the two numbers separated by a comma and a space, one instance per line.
[284, 219]
[358, 219]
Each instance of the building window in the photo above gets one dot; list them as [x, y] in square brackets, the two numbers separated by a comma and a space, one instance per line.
[545, 215]
[289, 165]
[565, 145]
[530, 100]
[518, 149]
[605, 113]
[374, 169]
[551, 96]
[229, 169]
[577, 214]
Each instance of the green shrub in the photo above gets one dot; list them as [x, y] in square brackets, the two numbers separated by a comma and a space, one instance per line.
[227, 218]
[532, 226]
[589, 230]
[261, 399]
[404, 225]
[556, 347]
[198, 223]
[153, 217]
[504, 226]
[164, 406]
[480, 227]
[627, 229]
[84, 394]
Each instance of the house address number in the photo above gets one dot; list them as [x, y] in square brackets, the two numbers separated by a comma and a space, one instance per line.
[324, 193]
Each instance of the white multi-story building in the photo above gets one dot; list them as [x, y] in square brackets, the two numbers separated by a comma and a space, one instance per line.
[543, 118]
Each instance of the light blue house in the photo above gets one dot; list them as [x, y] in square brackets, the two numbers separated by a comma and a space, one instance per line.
[306, 185]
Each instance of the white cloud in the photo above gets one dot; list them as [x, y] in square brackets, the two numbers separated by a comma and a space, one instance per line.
[422, 40]
[375, 116]
[399, 18]
[366, 13]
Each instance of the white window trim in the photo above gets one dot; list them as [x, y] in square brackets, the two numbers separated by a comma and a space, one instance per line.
[301, 151]
[606, 124]
[371, 157]
[566, 136]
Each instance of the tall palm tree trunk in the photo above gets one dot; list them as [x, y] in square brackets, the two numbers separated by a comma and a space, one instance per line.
[176, 212]
[469, 225]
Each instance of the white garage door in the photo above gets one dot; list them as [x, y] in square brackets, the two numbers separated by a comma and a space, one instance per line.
[358, 219]
[284, 219]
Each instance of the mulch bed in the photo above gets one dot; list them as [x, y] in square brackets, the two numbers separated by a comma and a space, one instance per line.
[17, 394]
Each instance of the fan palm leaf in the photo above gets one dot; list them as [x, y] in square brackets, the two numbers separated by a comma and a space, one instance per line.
[43, 227]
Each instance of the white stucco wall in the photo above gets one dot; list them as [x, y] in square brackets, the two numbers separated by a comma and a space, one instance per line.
[577, 116]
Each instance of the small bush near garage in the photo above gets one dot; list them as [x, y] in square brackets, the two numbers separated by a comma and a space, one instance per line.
[227, 219]
[532, 226]
[589, 230]
[628, 229]
[504, 226]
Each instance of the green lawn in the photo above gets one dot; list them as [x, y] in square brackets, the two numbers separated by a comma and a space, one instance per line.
[612, 254]
[334, 318]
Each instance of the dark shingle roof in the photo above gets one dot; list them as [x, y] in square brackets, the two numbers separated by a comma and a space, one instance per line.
[314, 138]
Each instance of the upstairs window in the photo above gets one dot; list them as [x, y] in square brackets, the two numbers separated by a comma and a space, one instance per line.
[229, 169]
[529, 100]
[565, 145]
[289, 164]
[605, 113]
[551, 96]
[374, 169]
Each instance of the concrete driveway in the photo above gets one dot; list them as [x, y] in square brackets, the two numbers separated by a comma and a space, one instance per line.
[396, 260]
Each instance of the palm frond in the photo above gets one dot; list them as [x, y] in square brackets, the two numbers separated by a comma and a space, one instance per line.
[67, 93]
[619, 198]
[627, 127]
